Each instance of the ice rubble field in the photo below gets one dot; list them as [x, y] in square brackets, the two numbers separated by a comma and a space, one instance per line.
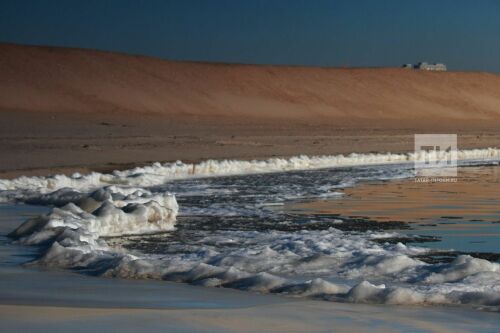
[89, 208]
[158, 173]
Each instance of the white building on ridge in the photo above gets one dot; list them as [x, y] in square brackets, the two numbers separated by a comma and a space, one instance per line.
[427, 67]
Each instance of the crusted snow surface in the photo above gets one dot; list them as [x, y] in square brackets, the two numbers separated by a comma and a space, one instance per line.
[89, 213]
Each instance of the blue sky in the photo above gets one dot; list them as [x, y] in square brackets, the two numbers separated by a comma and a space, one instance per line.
[464, 34]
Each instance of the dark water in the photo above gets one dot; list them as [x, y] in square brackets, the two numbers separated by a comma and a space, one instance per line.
[255, 203]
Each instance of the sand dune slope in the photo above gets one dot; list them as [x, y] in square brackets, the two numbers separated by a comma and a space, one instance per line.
[62, 80]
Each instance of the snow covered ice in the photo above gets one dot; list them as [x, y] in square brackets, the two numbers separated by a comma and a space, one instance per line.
[227, 231]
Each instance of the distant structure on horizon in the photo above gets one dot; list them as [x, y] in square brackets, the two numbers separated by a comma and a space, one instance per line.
[427, 67]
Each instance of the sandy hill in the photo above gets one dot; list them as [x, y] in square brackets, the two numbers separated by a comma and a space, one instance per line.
[65, 110]
[85, 81]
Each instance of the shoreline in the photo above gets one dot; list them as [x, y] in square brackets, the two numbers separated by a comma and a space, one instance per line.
[51, 299]
[44, 156]
[106, 168]
[46, 299]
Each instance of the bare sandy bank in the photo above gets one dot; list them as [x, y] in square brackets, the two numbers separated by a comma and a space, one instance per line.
[67, 110]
